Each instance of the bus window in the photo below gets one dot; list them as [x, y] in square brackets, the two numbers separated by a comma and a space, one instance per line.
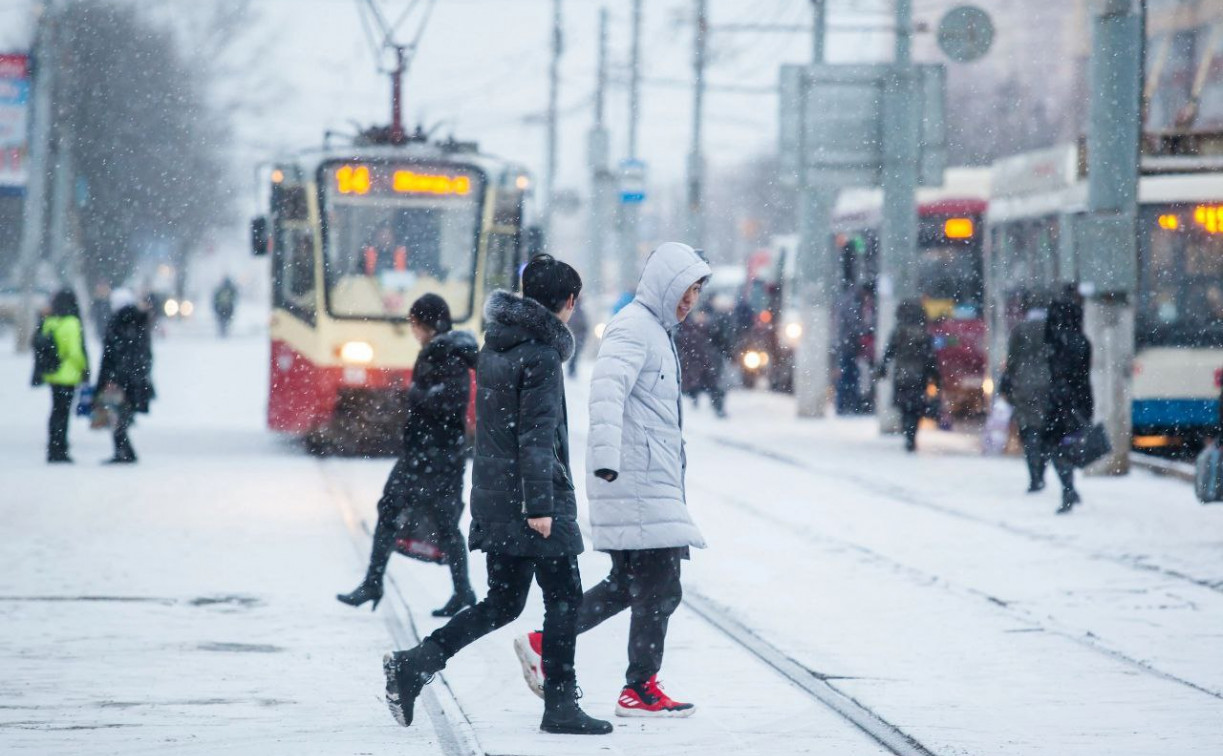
[1180, 299]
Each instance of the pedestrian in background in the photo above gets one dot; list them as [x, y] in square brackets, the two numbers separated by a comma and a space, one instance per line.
[635, 458]
[523, 508]
[224, 302]
[704, 341]
[1071, 404]
[127, 368]
[911, 350]
[1025, 384]
[580, 327]
[61, 362]
[427, 479]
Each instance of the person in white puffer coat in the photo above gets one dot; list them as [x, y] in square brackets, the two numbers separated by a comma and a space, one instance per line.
[635, 482]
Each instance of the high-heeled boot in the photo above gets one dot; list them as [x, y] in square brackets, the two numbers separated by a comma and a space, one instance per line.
[367, 591]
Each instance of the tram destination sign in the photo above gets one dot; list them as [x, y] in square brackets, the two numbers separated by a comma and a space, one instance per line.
[382, 179]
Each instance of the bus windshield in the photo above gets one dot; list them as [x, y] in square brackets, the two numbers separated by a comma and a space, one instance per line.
[393, 232]
[949, 270]
[1180, 299]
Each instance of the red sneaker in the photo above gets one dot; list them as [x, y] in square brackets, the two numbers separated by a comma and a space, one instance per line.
[530, 651]
[649, 700]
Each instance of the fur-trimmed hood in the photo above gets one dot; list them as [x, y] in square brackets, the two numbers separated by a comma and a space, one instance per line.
[461, 344]
[511, 320]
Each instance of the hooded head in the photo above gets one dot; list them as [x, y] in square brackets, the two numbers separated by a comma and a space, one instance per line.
[120, 298]
[668, 273]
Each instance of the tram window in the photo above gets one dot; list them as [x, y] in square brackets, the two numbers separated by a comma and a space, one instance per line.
[387, 247]
[295, 284]
[501, 271]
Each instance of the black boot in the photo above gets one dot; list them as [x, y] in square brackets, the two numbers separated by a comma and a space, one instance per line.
[367, 591]
[1070, 497]
[457, 603]
[407, 674]
[563, 716]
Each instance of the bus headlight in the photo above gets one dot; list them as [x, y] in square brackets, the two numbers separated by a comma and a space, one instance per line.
[357, 353]
[753, 360]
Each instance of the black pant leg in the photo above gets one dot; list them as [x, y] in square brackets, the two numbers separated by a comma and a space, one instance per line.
[509, 582]
[910, 419]
[608, 598]
[57, 425]
[562, 588]
[452, 542]
[1065, 471]
[123, 421]
[655, 593]
[1034, 451]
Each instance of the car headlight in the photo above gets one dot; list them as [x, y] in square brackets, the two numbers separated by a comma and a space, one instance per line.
[754, 360]
[357, 353]
[186, 308]
[171, 307]
[793, 332]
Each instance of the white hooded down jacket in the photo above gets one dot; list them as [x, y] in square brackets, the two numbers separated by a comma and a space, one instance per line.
[636, 421]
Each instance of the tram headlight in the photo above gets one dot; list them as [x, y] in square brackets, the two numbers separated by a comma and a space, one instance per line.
[357, 353]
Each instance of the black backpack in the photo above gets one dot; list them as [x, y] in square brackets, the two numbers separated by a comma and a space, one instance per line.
[46, 355]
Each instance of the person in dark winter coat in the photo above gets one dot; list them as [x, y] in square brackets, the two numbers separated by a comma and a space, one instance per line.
[1071, 404]
[224, 302]
[127, 364]
[61, 327]
[427, 480]
[1025, 384]
[523, 508]
[705, 342]
[911, 350]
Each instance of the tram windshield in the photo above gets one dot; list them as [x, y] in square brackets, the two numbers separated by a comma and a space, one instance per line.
[1180, 290]
[395, 232]
[949, 270]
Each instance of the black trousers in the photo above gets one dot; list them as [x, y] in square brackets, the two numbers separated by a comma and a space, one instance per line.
[397, 497]
[909, 420]
[57, 426]
[647, 582]
[123, 421]
[1034, 451]
[509, 582]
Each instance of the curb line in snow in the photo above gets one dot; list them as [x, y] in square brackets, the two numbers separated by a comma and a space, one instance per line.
[816, 685]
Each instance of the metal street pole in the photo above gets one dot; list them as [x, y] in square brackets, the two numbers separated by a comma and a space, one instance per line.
[898, 235]
[34, 210]
[1113, 157]
[602, 182]
[553, 88]
[814, 269]
[630, 212]
[696, 160]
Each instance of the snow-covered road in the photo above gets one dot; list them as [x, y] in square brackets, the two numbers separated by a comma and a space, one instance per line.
[186, 604]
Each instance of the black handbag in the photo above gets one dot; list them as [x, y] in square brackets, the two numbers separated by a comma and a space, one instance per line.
[1086, 446]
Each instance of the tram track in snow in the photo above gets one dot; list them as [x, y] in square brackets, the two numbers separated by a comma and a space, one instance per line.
[905, 496]
[455, 734]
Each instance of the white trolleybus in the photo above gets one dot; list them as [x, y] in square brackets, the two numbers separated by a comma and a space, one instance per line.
[1179, 299]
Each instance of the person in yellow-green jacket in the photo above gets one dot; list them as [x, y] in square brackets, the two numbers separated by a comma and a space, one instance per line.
[62, 324]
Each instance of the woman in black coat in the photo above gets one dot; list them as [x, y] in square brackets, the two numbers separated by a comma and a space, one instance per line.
[127, 365]
[916, 366]
[427, 480]
[1071, 404]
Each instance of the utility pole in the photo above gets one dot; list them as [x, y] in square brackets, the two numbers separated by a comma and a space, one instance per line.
[1107, 239]
[34, 210]
[630, 212]
[602, 181]
[696, 159]
[553, 91]
[898, 235]
[815, 272]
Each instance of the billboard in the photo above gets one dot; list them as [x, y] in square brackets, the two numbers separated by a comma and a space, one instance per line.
[14, 117]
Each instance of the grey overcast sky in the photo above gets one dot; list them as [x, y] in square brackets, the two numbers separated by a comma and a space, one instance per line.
[482, 66]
